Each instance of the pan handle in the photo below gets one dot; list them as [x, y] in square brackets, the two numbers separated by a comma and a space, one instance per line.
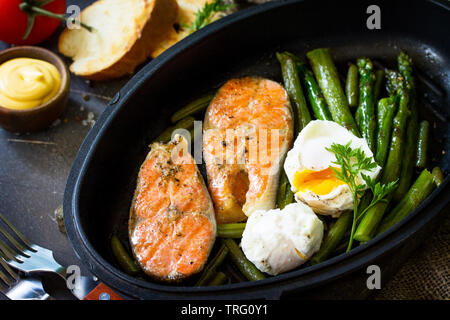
[103, 292]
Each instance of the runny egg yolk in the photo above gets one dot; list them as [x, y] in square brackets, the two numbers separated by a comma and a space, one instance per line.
[319, 182]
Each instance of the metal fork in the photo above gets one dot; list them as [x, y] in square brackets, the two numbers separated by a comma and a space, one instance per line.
[25, 256]
[17, 288]
[31, 258]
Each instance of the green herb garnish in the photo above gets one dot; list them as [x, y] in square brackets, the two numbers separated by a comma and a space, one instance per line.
[206, 14]
[353, 162]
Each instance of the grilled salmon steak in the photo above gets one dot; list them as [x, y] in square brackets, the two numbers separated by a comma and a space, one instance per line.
[172, 227]
[248, 129]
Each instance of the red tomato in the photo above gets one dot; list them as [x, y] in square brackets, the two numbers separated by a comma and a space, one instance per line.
[13, 22]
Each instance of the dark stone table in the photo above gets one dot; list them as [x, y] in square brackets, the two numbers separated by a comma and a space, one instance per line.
[34, 167]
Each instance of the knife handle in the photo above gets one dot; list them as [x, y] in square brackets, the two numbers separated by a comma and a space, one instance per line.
[102, 292]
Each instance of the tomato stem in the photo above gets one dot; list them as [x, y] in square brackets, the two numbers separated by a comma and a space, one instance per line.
[32, 11]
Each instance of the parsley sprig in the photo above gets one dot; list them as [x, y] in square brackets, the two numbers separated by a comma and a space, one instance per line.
[207, 13]
[353, 163]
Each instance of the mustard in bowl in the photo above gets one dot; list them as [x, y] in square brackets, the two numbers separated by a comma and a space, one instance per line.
[34, 88]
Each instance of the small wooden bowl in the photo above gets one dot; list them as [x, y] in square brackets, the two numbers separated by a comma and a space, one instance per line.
[42, 116]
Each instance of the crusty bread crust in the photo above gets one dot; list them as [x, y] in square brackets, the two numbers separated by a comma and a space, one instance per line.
[186, 16]
[158, 22]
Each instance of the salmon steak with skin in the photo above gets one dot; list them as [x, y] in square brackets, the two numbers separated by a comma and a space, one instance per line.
[248, 130]
[172, 227]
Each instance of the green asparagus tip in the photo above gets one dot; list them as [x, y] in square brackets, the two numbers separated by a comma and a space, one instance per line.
[438, 177]
[365, 64]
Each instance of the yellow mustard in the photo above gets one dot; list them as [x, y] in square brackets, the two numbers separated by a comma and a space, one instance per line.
[26, 83]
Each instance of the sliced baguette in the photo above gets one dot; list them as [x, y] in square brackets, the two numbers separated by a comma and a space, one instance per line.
[186, 16]
[126, 33]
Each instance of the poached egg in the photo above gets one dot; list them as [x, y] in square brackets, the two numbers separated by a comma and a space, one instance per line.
[276, 241]
[308, 167]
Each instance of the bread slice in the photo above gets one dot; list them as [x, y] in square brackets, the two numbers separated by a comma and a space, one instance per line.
[186, 16]
[126, 33]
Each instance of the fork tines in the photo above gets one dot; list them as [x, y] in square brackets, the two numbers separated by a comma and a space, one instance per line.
[7, 276]
[12, 244]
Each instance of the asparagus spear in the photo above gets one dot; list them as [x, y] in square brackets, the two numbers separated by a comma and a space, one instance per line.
[333, 238]
[422, 144]
[366, 107]
[302, 116]
[379, 78]
[315, 97]
[407, 170]
[438, 177]
[351, 85]
[285, 195]
[192, 108]
[185, 123]
[391, 171]
[219, 279]
[247, 268]
[328, 78]
[421, 188]
[405, 66]
[291, 81]
[210, 269]
[230, 230]
[394, 161]
[128, 265]
[385, 113]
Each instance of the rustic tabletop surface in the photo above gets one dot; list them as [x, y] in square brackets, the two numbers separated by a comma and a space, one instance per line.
[34, 168]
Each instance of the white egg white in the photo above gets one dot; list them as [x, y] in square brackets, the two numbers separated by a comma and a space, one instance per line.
[310, 152]
[276, 241]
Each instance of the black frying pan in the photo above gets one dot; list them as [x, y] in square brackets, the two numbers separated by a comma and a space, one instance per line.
[102, 180]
